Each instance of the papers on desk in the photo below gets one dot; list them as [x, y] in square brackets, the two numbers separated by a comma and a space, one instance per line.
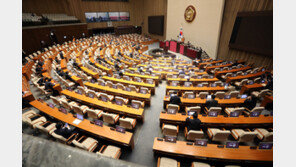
[76, 121]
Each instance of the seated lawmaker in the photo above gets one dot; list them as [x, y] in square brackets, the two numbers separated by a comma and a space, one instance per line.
[63, 130]
[193, 124]
[211, 102]
[175, 99]
[250, 102]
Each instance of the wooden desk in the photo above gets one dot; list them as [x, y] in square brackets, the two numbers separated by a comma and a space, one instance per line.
[200, 65]
[219, 73]
[196, 89]
[249, 88]
[26, 88]
[220, 120]
[198, 101]
[155, 78]
[193, 80]
[211, 151]
[208, 69]
[63, 64]
[106, 106]
[104, 132]
[90, 72]
[118, 92]
[125, 82]
[232, 79]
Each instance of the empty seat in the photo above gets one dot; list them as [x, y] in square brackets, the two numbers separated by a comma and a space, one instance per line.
[80, 109]
[87, 143]
[234, 94]
[46, 129]
[95, 114]
[91, 93]
[203, 95]
[174, 107]
[144, 90]
[110, 118]
[239, 110]
[100, 81]
[167, 162]
[219, 83]
[133, 88]
[226, 75]
[137, 79]
[257, 80]
[106, 97]
[243, 136]
[260, 94]
[241, 83]
[126, 78]
[120, 100]
[170, 130]
[256, 109]
[195, 109]
[110, 151]
[81, 89]
[109, 84]
[128, 123]
[28, 116]
[213, 109]
[200, 164]
[218, 134]
[193, 134]
[189, 95]
[264, 134]
[120, 86]
[55, 100]
[220, 94]
[137, 104]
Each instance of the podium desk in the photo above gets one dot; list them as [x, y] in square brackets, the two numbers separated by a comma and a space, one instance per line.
[211, 151]
[173, 46]
[125, 139]
[191, 53]
[220, 120]
[183, 49]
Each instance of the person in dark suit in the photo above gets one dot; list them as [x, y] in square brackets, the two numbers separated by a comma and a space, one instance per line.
[269, 84]
[48, 85]
[250, 102]
[68, 77]
[175, 99]
[41, 81]
[212, 102]
[61, 55]
[193, 124]
[63, 130]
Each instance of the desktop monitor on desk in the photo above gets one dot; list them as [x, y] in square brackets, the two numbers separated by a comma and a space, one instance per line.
[227, 97]
[171, 139]
[213, 114]
[135, 105]
[244, 96]
[265, 145]
[232, 144]
[119, 102]
[50, 105]
[254, 114]
[234, 114]
[79, 116]
[201, 142]
[120, 129]
[99, 123]
[172, 111]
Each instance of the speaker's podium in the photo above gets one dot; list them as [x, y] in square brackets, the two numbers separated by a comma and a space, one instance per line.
[175, 46]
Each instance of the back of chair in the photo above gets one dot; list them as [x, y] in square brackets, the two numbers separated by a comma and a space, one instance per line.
[173, 106]
[120, 86]
[194, 109]
[220, 94]
[194, 134]
[247, 136]
[215, 109]
[77, 110]
[234, 94]
[203, 95]
[189, 95]
[258, 109]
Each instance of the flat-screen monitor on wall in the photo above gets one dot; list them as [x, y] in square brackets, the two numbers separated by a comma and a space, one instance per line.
[92, 17]
[253, 32]
[155, 25]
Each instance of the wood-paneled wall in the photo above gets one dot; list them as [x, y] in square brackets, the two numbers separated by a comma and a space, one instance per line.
[32, 36]
[230, 11]
[78, 9]
[43, 6]
[154, 8]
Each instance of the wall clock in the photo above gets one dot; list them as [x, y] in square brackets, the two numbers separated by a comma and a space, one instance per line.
[190, 13]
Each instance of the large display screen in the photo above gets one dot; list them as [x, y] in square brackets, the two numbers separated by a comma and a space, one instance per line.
[92, 17]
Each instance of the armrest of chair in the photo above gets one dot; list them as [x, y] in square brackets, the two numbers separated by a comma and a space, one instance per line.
[178, 164]
[177, 129]
[158, 161]
[45, 123]
[185, 132]
[206, 110]
[80, 139]
[232, 133]
[71, 138]
[162, 126]
[270, 129]
[102, 149]
[249, 130]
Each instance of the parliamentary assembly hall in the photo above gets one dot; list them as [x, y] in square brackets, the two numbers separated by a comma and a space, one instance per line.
[156, 83]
